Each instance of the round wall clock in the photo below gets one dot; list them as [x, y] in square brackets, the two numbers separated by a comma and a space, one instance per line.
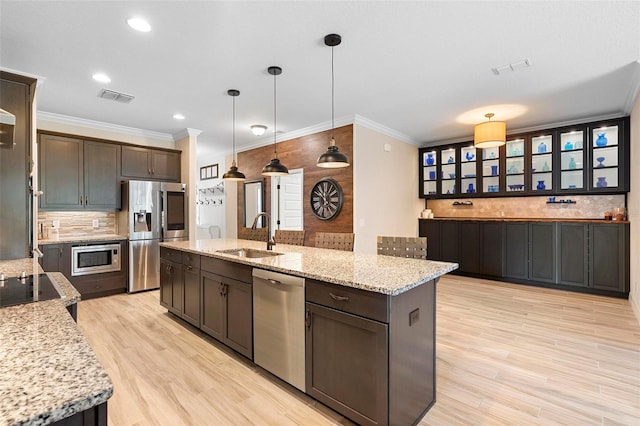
[326, 199]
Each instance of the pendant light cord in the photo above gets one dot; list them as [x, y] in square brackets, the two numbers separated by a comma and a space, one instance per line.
[275, 127]
[333, 125]
[234, 128]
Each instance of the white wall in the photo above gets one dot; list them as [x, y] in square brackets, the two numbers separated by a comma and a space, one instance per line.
[210, 193]
[385, 188]
[633, 204]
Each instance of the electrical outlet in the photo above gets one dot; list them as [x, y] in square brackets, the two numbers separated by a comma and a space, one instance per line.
[55, 223]
[95, 223]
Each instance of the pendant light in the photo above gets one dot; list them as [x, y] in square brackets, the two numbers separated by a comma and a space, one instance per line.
[490, 134]
[274, 168]
[234, 174]
[332, 158]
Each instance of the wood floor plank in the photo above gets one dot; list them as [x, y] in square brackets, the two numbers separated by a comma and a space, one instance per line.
[506, 354]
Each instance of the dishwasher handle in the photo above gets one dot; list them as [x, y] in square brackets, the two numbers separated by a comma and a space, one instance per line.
[274, 282]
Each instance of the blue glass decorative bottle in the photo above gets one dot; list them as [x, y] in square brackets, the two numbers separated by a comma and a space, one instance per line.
[541, 186]
[542, 147]
[430, 160]
[602, 182]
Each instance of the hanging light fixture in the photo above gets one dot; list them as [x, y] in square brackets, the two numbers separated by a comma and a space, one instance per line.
[234, 174]
[490, 134]
[332, 158]
[274, 168]
[258, 129]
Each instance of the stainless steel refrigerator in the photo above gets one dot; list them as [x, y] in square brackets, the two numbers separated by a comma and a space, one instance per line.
[151, 212]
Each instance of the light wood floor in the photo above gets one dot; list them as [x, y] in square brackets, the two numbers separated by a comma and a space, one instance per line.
[506, 354]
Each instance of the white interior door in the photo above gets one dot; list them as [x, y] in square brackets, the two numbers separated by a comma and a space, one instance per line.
[286, 202]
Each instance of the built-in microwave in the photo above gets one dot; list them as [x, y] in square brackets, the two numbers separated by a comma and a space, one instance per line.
[95, 259]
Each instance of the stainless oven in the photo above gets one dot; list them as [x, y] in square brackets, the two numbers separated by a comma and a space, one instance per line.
[95, 259]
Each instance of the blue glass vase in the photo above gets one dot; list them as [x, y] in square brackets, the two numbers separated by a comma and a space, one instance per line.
[602, 140]
[602, 182]
[541, 185]
[430, 160]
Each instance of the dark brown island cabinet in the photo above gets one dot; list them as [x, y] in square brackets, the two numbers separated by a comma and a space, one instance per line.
[211, 294]
[369, 356]
[587, 256]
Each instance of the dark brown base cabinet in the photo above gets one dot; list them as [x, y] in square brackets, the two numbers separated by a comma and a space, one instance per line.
[371, 357]
[57, 258]
[583, 256]
[211, 294]
[94, 416]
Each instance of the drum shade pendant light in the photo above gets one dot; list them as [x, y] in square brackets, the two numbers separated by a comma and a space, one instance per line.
[234, 174]
[332, 158]
[275, 168]
[490, 134]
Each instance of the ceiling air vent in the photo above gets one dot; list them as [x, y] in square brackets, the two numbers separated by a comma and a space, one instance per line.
[115, 96]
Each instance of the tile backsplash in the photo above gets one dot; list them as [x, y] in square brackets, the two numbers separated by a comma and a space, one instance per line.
[586, 207]
[74, 224]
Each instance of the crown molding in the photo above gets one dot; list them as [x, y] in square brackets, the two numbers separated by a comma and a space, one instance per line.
[370, 124]
[532, 128]
[99, 125]
[184, 133]
[40, 80]
[634, 89]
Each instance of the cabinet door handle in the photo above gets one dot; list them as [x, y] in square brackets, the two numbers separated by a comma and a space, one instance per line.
[81, 200]
[153, 171]
[149, 171]
[189, 268]
[86, 200]
[274, 282]
[339, 298]
[307, 319]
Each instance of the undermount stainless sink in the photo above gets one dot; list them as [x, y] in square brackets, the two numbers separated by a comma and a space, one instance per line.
[250, 253]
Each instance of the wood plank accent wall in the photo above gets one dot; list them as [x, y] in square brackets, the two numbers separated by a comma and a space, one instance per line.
[303, 152]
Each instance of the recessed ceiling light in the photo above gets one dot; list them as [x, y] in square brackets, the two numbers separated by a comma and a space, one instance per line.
[178, 116]
[102, 78]
[139, 24]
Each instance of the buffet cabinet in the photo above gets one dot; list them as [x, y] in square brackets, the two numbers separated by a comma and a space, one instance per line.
[585, 158]
[586, 256]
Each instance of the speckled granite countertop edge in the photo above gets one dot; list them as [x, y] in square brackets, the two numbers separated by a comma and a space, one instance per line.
[80, 239]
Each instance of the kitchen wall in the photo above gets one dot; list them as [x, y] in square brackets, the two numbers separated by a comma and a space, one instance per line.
[76, 224]
[302, 153]
[385, 188]
[633, 202]
[211, 200]
[586, 207]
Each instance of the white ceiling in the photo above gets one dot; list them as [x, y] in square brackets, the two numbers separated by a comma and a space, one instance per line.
[413, 67]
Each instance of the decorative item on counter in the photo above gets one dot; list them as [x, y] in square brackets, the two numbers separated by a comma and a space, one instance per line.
[600, 161]
[552, 199]
[619, 213]
[608, 216]
[429, 160]
[568, 146]
[541, 186]
[494, 170]
[572, 164]
[542, 147]
[545, 167]
[425, 213]
[602, 182]
[463, 203]
[602, 140]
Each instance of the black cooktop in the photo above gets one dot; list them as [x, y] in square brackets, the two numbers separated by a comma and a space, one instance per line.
[17, 291]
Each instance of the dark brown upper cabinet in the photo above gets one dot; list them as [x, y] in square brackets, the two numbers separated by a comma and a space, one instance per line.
[150, 164]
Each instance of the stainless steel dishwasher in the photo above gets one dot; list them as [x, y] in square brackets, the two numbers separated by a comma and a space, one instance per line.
[278, 325]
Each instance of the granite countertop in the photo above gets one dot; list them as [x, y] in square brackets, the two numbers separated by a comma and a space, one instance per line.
[81, 239]
[381, 274]
[542, 219]
[49, 371]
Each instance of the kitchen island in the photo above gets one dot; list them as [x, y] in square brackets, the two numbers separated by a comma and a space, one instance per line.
[369, 320]
[49, 372]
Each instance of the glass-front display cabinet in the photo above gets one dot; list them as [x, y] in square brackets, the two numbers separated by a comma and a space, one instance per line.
[429, 173]
[514, 164]
[490, 167]
[572, 175]
[468, 170]
[541, 165]
[607, 156]
[448, 158]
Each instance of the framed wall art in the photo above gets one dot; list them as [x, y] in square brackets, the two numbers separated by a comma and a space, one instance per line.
[209, 172]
